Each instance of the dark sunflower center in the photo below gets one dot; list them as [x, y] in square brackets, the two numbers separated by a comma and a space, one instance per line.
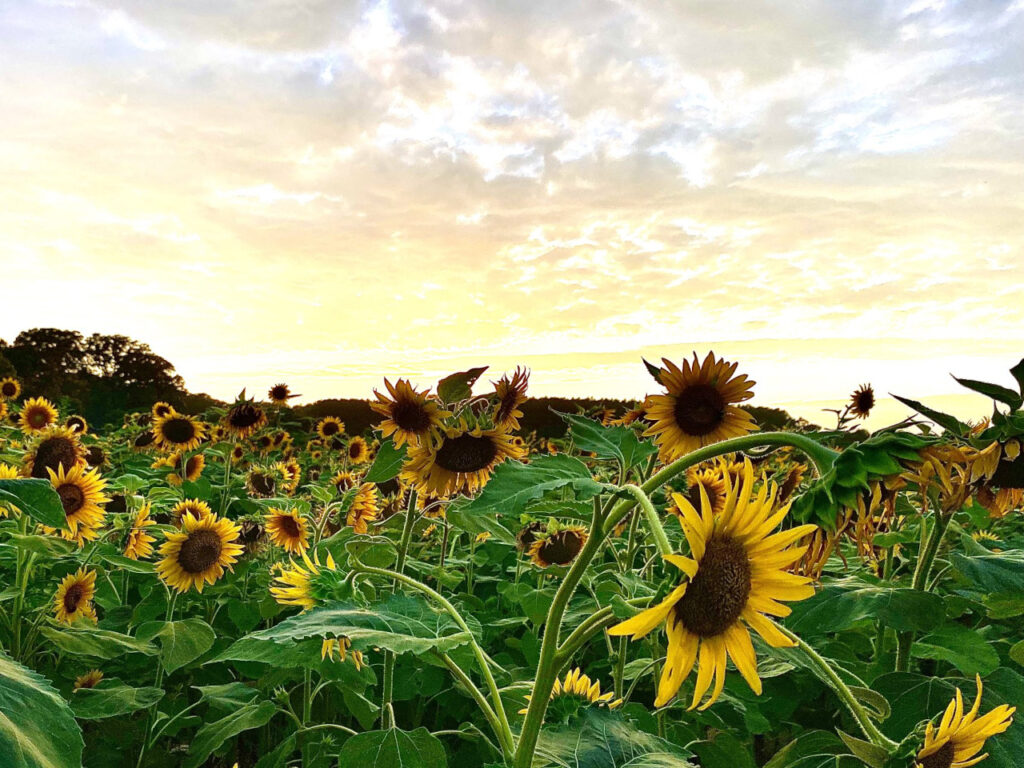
[280, 392]
[244, 415]
[716, 596]
[179, 430]
[9, 389]
[263, 484]
[699, 409]
[200, 551]
[73, 597]
[466, 453]
[75, 424]
[192, 466]
[37, 417]
[54, 453]
[527, 535]
[355, 450]
[410, 416]
[1009, 474]
[941, 759]
[864, 401]
[290, 526]
[146, 438]
[162, 410]
[94, 455]
[329, 428]
[72, 497]
[561, 548]
[693, 494]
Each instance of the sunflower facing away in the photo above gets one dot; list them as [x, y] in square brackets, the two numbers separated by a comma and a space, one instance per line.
[735, 576]
[698, 408]
[244, 418]
[960, 736]
[358, 451]
[329, 427]
[9, 388]
[295, 585]
[140, 543]
[199, 553]
[288, 529]
[579, 686]
[81, 494]
[457, 459]
[88, 680]
[408, 415]
[56, 447]
[862, 401]
[364, 508]
[511, 394]
[74, 597]
[193, 507]
[177, 432]
[558, 547]
[36, 415]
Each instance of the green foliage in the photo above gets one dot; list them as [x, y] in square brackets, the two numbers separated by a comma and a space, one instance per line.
[394, 748]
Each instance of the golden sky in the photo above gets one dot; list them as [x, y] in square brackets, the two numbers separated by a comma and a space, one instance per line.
[326, 192]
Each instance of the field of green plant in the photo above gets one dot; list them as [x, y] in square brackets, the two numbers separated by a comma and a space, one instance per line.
[669, 586]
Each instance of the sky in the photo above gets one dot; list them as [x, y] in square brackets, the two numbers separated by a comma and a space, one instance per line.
[324, 193]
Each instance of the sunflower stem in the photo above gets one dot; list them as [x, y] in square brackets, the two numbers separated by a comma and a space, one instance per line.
[653, 522]
[388, 683]
[828, 675]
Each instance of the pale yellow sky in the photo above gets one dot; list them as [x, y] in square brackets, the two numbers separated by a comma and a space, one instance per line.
[327, 192]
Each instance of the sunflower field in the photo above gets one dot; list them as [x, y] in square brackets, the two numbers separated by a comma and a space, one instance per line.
[665, 587]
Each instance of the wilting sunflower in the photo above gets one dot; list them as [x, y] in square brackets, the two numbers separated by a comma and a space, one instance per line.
[261, 483]
[145, 440]
[712, 481]
[193, 469]
[77, 424]
[409, 415]
[698, 408]
[89, 680]
[736, 575]
[862, 401]
[579, 686]
[557, 548]
[177, 432]
[511, 394]
[364, 508]
[74, 597]
[358, 451]
[95, 456]
[244, 418]
[288, 529]
[280, 394]
[960, 736]
[456, 459]
[329, 427]
[528, 534]
[140, 543]
[81, 494]
[193, 507]
[55, 447]
[161, 409]
[9, 388]
[199, 553]
[36, 415]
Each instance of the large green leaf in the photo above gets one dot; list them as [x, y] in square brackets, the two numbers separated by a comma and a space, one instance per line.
[996, 392]
[112, 698]
[944, 420]
[723, 750]
[600, 738]
[913, 698]
[838, 607]
[37, 727]
[402, 623]
[212, 735]
[1003, 572]
[814, 749]
[960, 646]
[514, 484]
[101, 643]
[387, 464]
[619, 443]
[458, 386]
[180, 641]
[48, 546]
[36, 498]
[394, 748]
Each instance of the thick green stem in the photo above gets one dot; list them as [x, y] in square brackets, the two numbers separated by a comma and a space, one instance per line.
[828, 675]
[651, 516]
[472, 690]
[388, 683]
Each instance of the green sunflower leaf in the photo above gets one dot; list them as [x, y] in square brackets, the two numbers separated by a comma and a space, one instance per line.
[181, 642]
[458, 386]
[944, 420]
[619, 443]
[36, 498]
[212, 735]
[387, 464]
[112, 698]
[996, 392]
[394, 748]
[515, 484]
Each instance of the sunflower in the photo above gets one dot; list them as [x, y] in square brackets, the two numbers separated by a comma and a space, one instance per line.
[341, 646]
[89, 680]
[862, 401]
[280, 394]
[358, 451]
[237, 453]
[261, 483]
[140, 543]
[329, 427]
[698, 408]
[453, 459]
[9, 388]
[364, 508]
[56, 447]
[36, 415]
[199, 553]
[629, 417]
[193, 469]
[177, 432]
[144, 440]
[162, 409]
[244, 418]
[794, 477]
[288, 529]
[74, 597]
[4, 413]
[736, 575]
[193, 507]
[77, 424]
[528, 534]
[81, 494]
[7, 472]
[295, 585]
[409, 415]
[342, 481]
[578, 685]
[511, 394]
[713, 483]
[557, 548]
[292, 473]
[961, 736]
[95, 456]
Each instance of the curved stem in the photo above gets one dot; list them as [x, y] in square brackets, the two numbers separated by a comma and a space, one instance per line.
[651, 515]
[829, 675]
[475, 692]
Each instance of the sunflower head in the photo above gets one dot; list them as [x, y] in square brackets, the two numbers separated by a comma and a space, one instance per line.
[302, 586]
[144, 440]
[54, 448]
[409, 416]
[90, 679]
[199, 553]
[237, 453]
[329, 427]
[10, 388]
[244, 418]
[342, 481]
[161, 409]
[528, 534]
[357, 451]
[81, 494]
[95, 456]
[37, 414]
[698, 407]
[139, 544]
[712, 481]
[558, 547]
[77, 424]
[261, 483]
[177, 432]
[511, 393]
[364, 508]
[194, 507]
[576, 690]
[962, 735]
[862, 401]
[288, 529]
[280, 394]
[73, 600]
[458, 459]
